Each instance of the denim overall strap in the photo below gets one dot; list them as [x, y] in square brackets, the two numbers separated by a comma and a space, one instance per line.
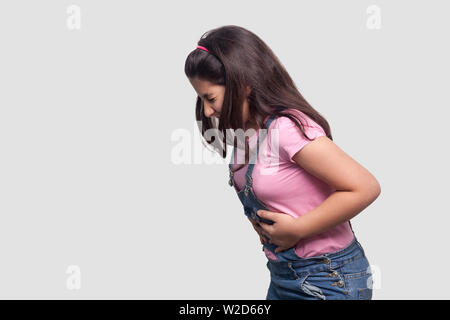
[230, 166]
[248, 174]
[255, 155]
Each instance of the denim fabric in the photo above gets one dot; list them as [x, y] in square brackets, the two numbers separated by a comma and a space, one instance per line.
[343, 274]
[246, 196]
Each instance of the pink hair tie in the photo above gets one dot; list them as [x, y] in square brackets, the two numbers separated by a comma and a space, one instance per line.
[203, 48]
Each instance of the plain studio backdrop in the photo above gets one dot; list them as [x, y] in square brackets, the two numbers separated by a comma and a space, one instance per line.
[94, 202]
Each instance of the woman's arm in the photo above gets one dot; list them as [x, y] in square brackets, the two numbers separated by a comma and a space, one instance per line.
[356, 188]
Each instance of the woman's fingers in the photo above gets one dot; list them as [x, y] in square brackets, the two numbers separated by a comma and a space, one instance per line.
[261, 231]
[258, 230]
[263, 237]
[253, 222]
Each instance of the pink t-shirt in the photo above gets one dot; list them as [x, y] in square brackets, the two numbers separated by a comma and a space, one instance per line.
[285, 187]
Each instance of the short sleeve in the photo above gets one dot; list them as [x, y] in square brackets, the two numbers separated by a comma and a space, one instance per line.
[291, 139]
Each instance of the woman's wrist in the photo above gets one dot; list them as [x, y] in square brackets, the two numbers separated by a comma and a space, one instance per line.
[301, 227]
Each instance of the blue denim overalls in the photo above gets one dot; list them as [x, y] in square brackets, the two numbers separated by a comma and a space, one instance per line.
[343, 274]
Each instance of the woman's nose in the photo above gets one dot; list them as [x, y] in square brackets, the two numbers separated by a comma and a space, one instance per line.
[209, 112]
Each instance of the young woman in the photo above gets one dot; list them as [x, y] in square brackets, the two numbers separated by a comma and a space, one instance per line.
[301, 202]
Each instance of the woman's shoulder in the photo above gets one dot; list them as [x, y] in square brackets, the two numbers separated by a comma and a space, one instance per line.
[282, 121]
[290, 138]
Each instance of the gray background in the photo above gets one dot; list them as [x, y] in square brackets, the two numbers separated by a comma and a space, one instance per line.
[87, 176]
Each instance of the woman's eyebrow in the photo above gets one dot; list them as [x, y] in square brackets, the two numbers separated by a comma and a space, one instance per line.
[206, 95]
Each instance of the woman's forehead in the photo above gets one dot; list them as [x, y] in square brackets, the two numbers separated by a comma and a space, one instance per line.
[205, 87]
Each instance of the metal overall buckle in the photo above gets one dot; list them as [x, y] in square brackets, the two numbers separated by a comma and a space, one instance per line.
[230, 182]
[247, 187]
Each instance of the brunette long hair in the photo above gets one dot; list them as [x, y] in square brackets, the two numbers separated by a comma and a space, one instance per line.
[238, 58]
